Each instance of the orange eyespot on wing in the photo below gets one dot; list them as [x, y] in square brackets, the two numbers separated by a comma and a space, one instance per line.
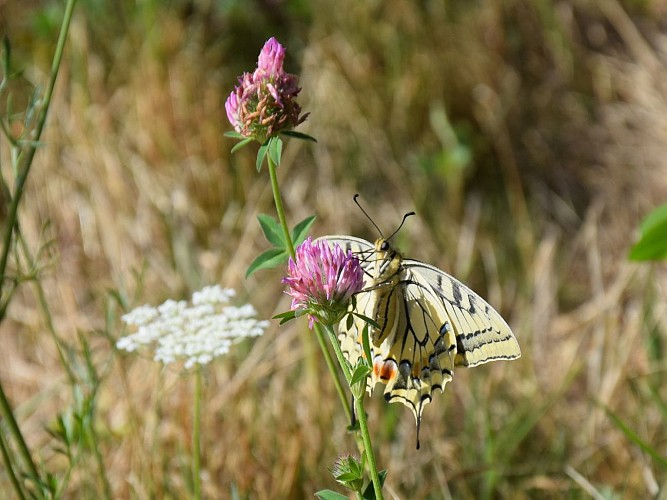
[384, 370]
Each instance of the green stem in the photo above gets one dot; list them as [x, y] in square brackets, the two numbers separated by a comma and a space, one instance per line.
[196, 436]
[279, 205]
[332, 368]
[24, 163]
[108, 493]
[368, 446]
[10, 469]
[8, 416]
[361, 415]
[41, 295]
[339, 353]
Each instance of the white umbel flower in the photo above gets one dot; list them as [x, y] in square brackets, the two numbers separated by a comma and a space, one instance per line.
[196, 333]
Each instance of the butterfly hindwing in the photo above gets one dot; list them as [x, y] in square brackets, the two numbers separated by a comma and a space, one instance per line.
[417, 341]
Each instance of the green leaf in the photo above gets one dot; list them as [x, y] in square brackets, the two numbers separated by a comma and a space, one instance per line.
[234, 135]
[654, 218]
[369, 492]
[652, 244]
[360, 373]
[300, 231]
[261, 154]
[632, 436]
[330, 495]
[368, 320]
[268, 259]
[299, 135]
[286, 316]
[242, 144]
[366, 343]
[354, 426]
[275, 150]
[272, 230]
[346, 477]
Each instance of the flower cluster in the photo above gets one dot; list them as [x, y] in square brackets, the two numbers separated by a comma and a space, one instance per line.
[195, 333]
[264, 103]
[322, 280]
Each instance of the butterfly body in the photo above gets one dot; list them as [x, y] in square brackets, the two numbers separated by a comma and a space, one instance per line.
[428, 323]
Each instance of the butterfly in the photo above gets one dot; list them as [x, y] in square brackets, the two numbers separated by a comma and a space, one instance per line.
[428, 323]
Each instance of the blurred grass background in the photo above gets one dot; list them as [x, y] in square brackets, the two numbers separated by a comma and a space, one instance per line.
[529, 136]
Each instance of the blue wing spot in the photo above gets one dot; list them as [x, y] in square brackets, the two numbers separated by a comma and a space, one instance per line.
[446, 327]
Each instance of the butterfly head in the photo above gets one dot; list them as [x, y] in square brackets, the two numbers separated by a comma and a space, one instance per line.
[388, 259]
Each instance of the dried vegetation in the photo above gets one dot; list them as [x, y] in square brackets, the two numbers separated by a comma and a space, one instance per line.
[530, 137]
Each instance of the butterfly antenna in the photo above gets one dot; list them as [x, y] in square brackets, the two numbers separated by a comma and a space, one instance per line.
[402, 222]
[366, 213]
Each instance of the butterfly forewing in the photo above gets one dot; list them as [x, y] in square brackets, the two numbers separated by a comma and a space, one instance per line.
[482, 335]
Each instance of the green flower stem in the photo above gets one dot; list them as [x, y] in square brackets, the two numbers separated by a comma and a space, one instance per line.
[368, 446]
[339, 353]
[24, 162]
[279, 205]
[196, 435]
[361, 415]
[290, 247]
[332, 368]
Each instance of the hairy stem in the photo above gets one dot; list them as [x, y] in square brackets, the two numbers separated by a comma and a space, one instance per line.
[368, 446]
[361, 415]
[279, 205]
[332, 368]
